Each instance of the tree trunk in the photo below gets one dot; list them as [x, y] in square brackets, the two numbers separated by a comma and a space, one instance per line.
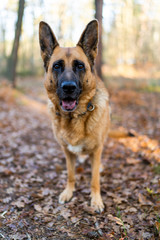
[4, 42]
[98, 16]
[12, 63]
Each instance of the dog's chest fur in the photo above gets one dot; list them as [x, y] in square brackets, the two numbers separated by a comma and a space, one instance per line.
[82, 134]
[78, 149]
[72, 134]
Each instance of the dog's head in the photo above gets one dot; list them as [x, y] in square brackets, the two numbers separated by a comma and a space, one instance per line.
[68, 70]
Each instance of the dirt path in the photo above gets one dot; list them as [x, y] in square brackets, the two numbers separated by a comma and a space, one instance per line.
[33, 174]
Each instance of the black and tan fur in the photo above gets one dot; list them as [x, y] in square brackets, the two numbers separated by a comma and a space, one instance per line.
[78, 102]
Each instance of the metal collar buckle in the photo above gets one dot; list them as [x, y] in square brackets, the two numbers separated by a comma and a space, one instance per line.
[90, 107]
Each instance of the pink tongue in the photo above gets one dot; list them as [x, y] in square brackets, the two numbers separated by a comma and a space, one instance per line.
[68, 105]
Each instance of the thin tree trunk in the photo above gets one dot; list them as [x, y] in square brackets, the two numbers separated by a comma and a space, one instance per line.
[4, 42]
[98, 16]
[12, 63]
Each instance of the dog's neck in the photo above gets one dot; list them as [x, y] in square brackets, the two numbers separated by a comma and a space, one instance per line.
[70, 115]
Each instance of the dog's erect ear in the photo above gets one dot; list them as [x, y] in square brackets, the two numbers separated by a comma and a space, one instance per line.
[47, 41]
[89, 41]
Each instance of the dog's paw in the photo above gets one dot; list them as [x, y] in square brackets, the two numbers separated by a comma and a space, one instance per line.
[65, 196]
[97, 203]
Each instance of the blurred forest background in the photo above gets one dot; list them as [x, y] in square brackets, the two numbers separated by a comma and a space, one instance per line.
[130, 36]
[32, 165]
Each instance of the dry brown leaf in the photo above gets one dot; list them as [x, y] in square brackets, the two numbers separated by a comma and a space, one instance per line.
[37, 207]
[58, 167]
[7, 199]
[88, 209]
[132, 161]
[119, 200]
[18, 204]
[157, 224]
[79, 169]
[75, 219]
[143, 201]
[65, 213]
[130, 210]
[115, 219]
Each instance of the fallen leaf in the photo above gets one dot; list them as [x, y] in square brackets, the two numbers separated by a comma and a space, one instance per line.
[75, 219]
[130, 210]
[18, 204]
[7, 199]
[147, 235]
[88, 209]
[65, 213]
[132, 161]
[58, 167]
[79, 170]
[157, 224]
[143, 201]
[37, 207]
[115, 219]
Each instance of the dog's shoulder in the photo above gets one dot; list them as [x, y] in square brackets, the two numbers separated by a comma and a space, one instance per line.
[101, 98]
[100, 117]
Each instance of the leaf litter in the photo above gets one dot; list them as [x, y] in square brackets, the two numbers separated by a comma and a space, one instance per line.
[33, 174]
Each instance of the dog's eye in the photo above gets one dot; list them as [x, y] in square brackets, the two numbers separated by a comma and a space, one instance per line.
[80, 66]
[57, 66]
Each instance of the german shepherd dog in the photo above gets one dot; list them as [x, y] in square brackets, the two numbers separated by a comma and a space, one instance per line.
[78, 103]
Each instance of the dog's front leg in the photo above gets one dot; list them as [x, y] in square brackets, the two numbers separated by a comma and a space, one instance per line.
[96, 200]
[66, 195]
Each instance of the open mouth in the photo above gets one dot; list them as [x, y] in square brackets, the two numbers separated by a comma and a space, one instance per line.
[68, 104]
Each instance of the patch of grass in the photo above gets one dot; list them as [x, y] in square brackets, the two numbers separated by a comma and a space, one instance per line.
[118, 215]
[156, 169]
[157, 227]
[158, 218]
[152, 88]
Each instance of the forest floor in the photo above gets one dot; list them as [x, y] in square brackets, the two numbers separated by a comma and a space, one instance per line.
[33, 174]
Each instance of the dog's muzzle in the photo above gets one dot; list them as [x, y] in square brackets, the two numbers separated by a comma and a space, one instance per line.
[68, 93]
[69, 89]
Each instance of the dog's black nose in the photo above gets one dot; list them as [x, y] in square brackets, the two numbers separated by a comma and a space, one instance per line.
[68, 86]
